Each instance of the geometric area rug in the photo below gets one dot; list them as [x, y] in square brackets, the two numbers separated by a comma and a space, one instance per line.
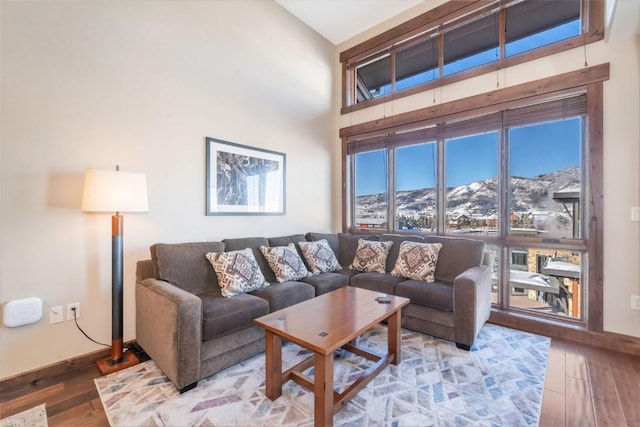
[498, 383]
[34, 417]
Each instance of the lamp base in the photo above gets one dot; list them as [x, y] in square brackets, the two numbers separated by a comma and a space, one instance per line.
[107, 365]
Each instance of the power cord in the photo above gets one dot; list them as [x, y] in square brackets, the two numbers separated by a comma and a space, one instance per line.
[135, 349]
[75, 319]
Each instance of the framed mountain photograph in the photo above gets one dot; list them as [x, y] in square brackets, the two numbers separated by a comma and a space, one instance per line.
[243, 180]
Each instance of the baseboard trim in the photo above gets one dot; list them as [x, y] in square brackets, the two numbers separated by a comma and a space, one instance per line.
[609, 340]
[45, 376]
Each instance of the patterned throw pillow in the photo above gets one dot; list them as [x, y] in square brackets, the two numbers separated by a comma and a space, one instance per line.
[371, 256]
[238, 272]
[417, 261]
[319, 256]
[285, 262]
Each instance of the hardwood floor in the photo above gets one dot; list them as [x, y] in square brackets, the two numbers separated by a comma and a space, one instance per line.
[585, 386]
[590, 386]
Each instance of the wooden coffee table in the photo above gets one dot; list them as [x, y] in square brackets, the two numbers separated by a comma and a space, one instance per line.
[323, 325]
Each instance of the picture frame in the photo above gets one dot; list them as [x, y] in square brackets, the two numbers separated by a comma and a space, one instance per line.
[244, 180]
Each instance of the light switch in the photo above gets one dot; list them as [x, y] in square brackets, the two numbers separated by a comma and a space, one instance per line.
[635, 214]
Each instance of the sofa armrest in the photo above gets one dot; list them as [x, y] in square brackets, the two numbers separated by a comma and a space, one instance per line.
[471, 303]
[169, 329]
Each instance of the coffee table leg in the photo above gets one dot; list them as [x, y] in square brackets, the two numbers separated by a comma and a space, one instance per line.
[323, 389]
[394, 337]
[273, 365]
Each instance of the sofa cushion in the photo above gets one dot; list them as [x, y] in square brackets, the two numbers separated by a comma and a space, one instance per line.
[371, 256]
[184, 265]
[349, 246]
[237, 271]
[285, 262]
[319, 256]
[222, 316]
[254, 244]
[435, 295]
[285, 294]
[417, 261]
[346, 271]
[456, 255]
[397, 240]
[384, 283]
[285, 240]
[327, 282]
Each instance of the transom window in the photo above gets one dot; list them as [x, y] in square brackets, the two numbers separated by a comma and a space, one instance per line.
[463, 39]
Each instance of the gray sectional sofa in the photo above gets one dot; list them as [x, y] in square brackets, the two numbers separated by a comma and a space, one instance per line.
[191, 331]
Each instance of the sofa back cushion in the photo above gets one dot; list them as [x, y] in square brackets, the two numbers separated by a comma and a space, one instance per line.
[397, 240]
[185, 265]
[285, 240]
[254, 243]
[456, 255]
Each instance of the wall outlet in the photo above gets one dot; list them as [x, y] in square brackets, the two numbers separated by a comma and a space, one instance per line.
[635, 302]
[75, 305]
[55, 314]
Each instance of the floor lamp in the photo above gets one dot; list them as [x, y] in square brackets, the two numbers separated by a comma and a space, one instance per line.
[115, 191]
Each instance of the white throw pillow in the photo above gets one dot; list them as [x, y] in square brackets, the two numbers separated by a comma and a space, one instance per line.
[285, 262]
[238, 272]
[371, 256]
[319, 256]
[417, 261]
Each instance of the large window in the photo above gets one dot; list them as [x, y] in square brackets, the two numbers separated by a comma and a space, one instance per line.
[462, 38]
[514, 175]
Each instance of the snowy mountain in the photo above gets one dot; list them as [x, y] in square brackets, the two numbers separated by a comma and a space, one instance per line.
[478, 199]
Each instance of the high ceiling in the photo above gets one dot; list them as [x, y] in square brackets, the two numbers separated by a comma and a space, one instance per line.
[339, 20]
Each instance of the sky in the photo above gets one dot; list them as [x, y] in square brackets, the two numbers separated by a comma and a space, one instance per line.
[534, 150]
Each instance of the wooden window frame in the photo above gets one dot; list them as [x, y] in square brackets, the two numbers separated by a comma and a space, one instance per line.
[432, 23]
[589, 81]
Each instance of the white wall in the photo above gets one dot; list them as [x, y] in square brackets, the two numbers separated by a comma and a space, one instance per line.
[621, 140]
[141, 84]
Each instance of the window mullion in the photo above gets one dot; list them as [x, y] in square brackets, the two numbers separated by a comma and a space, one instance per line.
[391, 189]
[440, 185]
[501, 33]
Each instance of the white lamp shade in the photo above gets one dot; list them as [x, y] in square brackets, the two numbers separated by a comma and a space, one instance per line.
[114, 191]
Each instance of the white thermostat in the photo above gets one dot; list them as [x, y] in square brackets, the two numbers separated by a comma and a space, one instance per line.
[22, 312]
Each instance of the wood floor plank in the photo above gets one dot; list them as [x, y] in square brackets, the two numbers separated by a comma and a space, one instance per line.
[579, 408]
[597, 356]
[553, 409]
[629, 395]
[556, 373]
[576, 365]
[608, 413]
[624, 361]
[31, 399]
[87, 414]
[601, 383]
